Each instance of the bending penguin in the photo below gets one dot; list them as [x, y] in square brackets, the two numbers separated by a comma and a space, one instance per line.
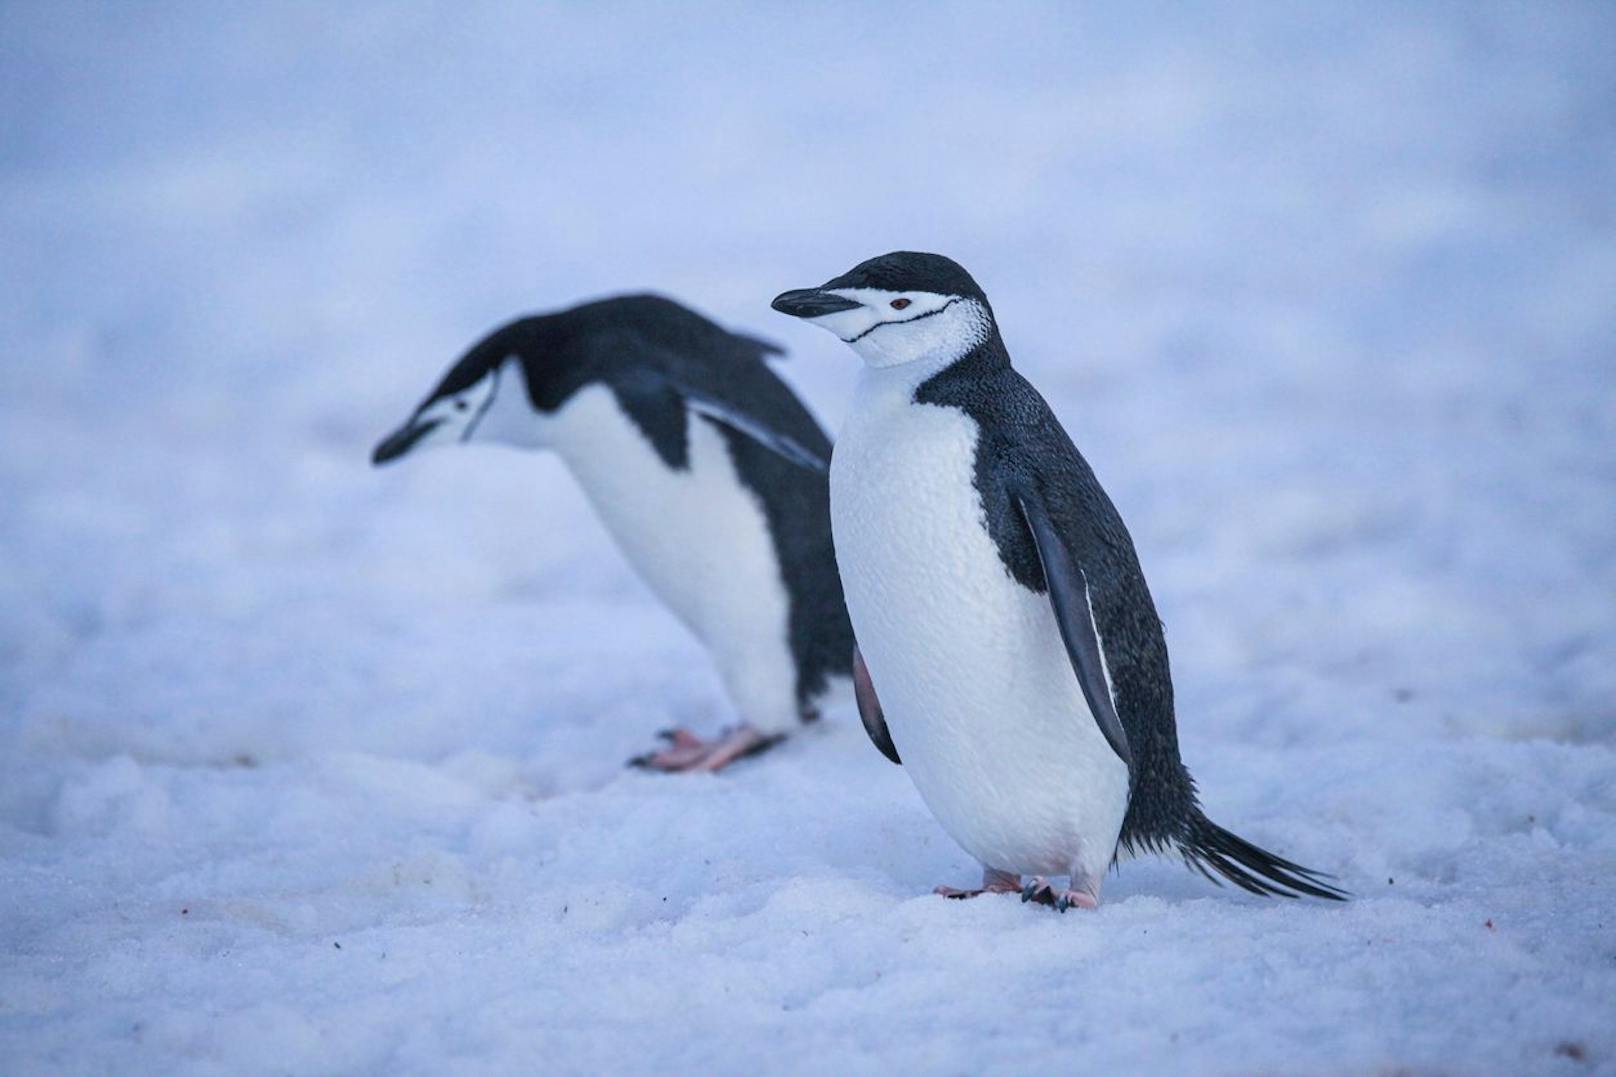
[707, 470]
[1015, 662]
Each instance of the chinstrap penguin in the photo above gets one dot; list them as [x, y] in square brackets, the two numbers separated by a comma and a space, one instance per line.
[984, 566]
[707, 470]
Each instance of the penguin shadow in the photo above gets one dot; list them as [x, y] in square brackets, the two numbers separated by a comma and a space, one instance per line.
[1164, 879]
[871, 828]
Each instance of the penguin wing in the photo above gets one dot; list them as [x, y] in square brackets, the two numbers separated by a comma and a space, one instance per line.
[869, 708]
[650, 383]
[1074, 613]
[773, 440]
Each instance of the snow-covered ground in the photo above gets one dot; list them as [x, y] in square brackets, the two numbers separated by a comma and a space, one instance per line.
[306, 767]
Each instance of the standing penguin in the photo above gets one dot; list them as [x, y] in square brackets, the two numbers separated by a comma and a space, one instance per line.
[984, 567]
[707, 470]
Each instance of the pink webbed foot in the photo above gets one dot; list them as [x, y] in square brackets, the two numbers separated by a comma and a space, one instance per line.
[993, 882]
[687, 752]
[1040, 891]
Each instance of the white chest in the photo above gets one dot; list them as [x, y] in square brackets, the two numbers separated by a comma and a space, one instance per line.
[978, 691]
[697, 537]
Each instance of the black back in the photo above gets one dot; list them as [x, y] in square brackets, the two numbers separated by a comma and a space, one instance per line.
[654, 354]
[1022, 446]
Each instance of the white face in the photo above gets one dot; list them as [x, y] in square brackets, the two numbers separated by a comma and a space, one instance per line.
[459, 415]
[494, 408]
[889, 328]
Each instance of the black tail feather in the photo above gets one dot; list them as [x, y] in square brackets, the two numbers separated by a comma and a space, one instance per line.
[766, 349]
[1214, 851]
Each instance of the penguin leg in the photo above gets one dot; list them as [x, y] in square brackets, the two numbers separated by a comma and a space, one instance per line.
[688, 752]
[994, 881]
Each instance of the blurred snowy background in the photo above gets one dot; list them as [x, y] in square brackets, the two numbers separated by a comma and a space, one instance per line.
[306, 767]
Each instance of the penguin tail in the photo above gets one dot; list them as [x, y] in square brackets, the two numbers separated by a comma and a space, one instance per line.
[765, 349]
[1214, 852]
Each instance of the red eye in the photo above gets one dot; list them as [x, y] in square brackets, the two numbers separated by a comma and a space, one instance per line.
[899, 304]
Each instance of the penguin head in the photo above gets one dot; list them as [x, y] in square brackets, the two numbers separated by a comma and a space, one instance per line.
[898, 308]
[483, 397]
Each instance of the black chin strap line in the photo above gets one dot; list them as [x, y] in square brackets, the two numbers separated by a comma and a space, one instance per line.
[902, 321]
[493, 391]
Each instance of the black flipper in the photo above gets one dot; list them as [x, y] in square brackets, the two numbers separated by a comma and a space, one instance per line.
[1068, 594]
[1210, 848]
[644, 388]
[773, 440]
[869, 708]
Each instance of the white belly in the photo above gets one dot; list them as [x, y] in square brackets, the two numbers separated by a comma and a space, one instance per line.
[698, 538]
[978, 691]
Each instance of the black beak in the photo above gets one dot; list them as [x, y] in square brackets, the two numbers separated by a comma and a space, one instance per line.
[811, 303]
[402, 440]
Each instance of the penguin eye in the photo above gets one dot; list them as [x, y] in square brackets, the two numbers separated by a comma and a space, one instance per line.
[461, 405]
[899, 304]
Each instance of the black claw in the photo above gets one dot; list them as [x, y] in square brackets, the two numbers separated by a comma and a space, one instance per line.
[1039, 894]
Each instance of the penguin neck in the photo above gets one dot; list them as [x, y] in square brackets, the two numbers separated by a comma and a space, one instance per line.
[511, 417]
[984, 358]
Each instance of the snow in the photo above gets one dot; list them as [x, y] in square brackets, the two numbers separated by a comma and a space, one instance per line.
[306, 767]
